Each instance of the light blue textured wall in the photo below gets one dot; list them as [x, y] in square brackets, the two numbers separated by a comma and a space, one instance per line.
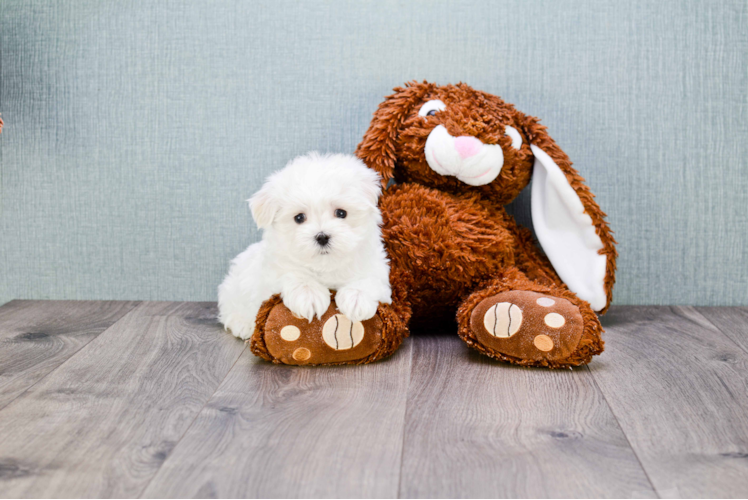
[135, 130]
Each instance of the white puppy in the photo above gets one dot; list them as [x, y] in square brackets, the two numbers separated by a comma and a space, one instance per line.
[321, 232]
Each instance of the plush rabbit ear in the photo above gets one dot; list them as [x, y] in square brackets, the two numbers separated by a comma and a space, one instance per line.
[569, 224]
[378, 147]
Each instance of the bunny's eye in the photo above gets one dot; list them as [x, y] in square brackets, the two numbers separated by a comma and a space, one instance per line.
[514, 135]
[431, 108]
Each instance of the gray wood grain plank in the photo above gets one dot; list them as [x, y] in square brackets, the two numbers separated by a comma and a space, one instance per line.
[38, 336]
[279, 431]
[679, 389]
[103, 424]
[479, 428]
[732, 321]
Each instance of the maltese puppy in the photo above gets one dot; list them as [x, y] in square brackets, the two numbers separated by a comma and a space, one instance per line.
[321, 232]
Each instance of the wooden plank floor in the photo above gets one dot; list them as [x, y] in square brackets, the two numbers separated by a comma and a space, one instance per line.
[127, 399]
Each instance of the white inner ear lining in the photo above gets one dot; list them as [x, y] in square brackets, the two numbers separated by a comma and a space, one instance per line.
[516, 138]
[566, 232]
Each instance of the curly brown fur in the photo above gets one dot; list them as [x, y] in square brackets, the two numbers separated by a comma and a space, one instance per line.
[257, 341]
[448, 245]
[379, 145]
[450, 240]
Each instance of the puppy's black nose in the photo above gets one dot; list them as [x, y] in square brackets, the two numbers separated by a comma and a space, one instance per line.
[322, 239]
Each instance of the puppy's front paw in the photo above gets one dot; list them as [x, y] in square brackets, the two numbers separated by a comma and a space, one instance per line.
[308, 300]
[239, 326]
[356, 304]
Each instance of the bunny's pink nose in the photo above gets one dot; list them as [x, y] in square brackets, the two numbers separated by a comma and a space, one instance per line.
[467, 146]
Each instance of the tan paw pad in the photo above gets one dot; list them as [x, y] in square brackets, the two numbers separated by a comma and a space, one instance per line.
[545, 301]
[503, 319]
[302, 354]
[341, 333]
[554, 320]
[543, 343]
[290, 333]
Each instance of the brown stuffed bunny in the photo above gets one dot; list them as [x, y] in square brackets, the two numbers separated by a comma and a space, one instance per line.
[457, 157]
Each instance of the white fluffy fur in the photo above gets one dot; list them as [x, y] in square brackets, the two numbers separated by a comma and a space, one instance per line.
[289, 260]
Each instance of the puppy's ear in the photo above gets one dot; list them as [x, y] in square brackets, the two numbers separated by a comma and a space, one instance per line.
[371, 185]
[263, 206]
[569, 225]
[378, 148]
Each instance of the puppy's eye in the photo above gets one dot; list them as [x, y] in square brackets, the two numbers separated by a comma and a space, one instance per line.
[340, 213]
[299, 218]
[431, 108]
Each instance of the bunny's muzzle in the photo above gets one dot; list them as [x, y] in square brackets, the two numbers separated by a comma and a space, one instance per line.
[466, 157]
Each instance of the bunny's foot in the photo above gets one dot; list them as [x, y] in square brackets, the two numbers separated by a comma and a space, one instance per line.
[531, 328]
[333, 339]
